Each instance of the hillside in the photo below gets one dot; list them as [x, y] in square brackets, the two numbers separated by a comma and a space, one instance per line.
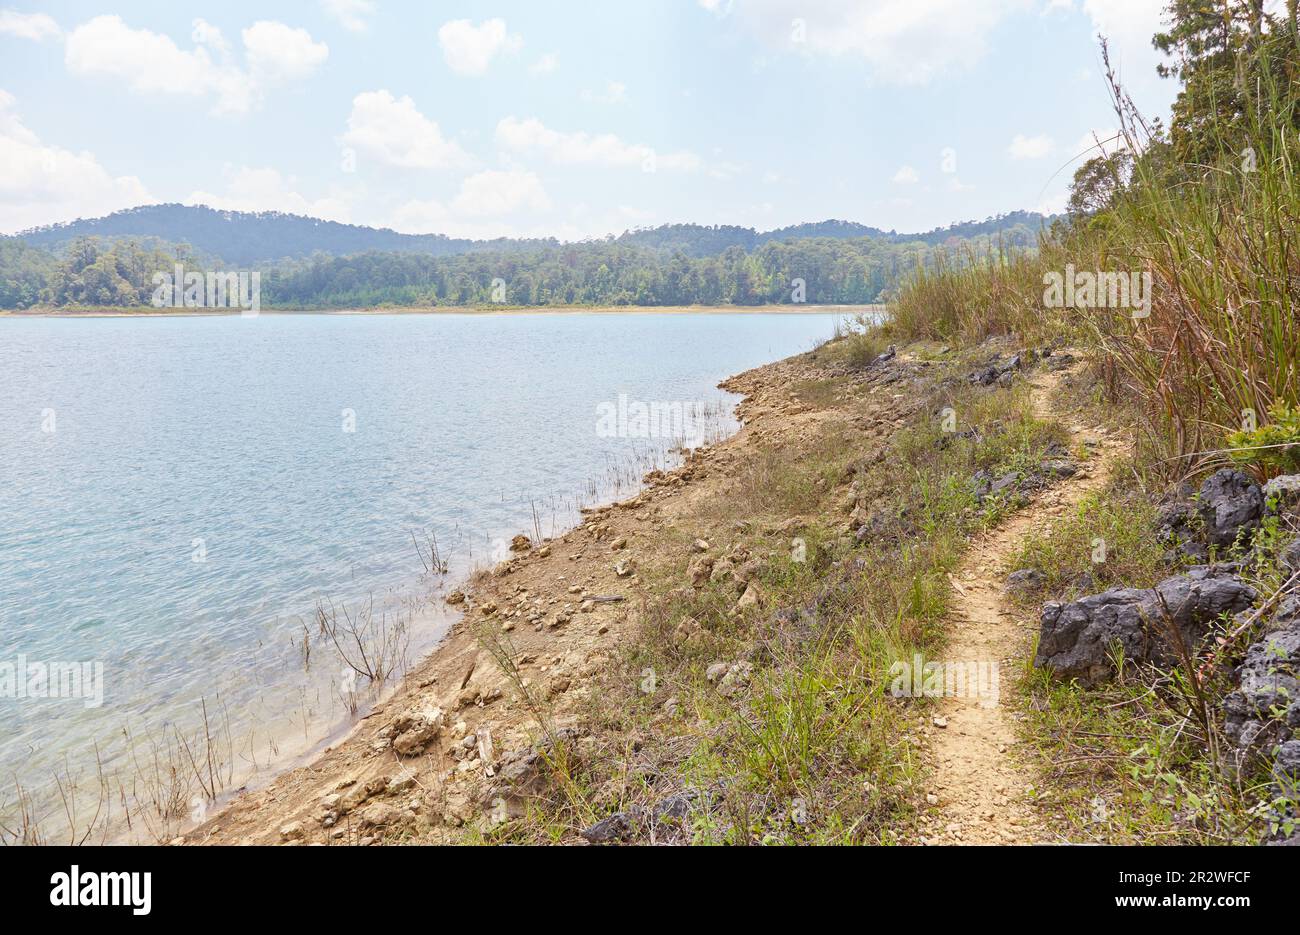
[243, 238]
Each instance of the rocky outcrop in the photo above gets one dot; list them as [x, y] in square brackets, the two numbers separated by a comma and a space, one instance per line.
[1076, 638]
[1265, 708]
[1230, 506]
[1225, 512]
[663, 821]
[1001, 372]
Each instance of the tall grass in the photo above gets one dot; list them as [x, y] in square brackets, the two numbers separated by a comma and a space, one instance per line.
[973, 295]
[1223, 339]
[1221, 345]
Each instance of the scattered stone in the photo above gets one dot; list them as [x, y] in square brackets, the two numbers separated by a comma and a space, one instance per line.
[1059, 467]
[1025, 581]
[520, 543]
[753, 597]
[618, 544]
[699, 570]
[456, 597]
[617, 827]
[1282, 493]
[293, 831]
[414, 732]
[939, 721]
[378, 815]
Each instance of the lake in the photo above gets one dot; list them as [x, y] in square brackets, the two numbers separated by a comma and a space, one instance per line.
[178, 496]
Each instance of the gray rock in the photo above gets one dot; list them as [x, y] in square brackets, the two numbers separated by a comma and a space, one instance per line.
[1286, 764]
[1289, 558]
[617, 827]
[1061, 467]
[1025, 580]
[890, 353]
[1230, 505]
[1269, 684]
[674, 808]
[1179, 529]
[1075, 639]
[1006, 482]
[1282, 493]
[1000, 372]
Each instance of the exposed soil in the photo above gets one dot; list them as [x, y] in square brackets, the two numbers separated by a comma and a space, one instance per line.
[983, 789]
[550, 615]
[536, 606]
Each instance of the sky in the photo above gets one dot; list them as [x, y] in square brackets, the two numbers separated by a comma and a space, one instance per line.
[562, 119]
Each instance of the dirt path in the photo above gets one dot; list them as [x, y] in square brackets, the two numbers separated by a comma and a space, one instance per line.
[981, 786]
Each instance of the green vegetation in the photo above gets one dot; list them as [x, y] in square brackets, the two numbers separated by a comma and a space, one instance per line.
[833, 262]
[1208, 211]
[817, 749]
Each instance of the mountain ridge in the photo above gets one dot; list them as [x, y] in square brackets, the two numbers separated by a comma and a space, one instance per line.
[243, 237]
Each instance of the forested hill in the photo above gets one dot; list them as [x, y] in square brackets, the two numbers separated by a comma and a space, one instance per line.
[245, 239]
[698, 240]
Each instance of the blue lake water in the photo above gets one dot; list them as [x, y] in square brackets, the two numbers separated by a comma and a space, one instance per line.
[177, 494]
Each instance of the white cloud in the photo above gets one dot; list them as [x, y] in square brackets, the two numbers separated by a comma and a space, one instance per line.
[45, 184]
[351, 14]
[469, 49]
[35, 26]
[495, 193]
[903, 42]
[615, 93]
[265, 189]
[1030, 147]
[488, 204]
[1127, 24]
[277, 52]
[544, 65]
[576, 149]
[151, 62]
[906, 175]
[394, 131]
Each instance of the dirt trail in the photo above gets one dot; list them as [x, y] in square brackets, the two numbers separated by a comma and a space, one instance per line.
[981, 784]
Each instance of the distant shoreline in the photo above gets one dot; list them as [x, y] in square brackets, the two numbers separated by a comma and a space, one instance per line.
[150, 312]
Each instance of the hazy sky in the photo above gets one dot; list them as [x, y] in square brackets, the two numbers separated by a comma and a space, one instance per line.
[562, 119]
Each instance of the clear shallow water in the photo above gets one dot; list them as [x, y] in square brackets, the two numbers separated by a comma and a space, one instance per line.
[232, 431]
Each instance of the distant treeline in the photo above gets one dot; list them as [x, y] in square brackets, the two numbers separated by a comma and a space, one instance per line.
[267, 238]
[98, 271]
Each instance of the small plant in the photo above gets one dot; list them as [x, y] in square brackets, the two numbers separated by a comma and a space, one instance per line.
[1273, 448]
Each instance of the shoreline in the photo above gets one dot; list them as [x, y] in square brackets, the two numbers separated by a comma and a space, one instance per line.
[460, 680]
[450, 310]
